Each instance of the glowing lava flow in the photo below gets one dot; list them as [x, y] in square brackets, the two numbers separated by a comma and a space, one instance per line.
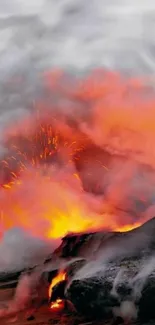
[59, 302]
[127, 228]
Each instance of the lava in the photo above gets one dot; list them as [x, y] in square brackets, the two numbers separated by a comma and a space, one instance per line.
[57, 304]
[60, 277]
[84, 160]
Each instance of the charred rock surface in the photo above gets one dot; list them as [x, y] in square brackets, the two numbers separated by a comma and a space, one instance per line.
[97, 295]
[135, 243]
[147, 300]
[91, 298]
[100, 270]
[103, 294]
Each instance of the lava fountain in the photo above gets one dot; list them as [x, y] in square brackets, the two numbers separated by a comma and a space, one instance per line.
[84, 160]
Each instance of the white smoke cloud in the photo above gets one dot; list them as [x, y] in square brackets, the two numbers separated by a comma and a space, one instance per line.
[127, 311]
[78, 34]
[19, 250]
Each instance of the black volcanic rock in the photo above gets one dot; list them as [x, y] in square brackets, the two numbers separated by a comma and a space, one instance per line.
[147, 300]
[91, 297]
[100, 268]
[136, 242]
[74, 266]
[96, 295]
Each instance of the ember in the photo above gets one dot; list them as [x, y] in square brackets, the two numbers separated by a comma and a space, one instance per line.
[57, 304]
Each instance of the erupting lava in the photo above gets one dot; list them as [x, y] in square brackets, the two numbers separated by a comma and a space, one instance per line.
[84, 160]
[60, 277]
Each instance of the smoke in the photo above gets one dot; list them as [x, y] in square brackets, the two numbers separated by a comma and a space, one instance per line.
[19, 250]
[23, 293]
[77, 36]
[21, 301]
[117, 281]
[127, 311]
[26, 297]
[139, 281]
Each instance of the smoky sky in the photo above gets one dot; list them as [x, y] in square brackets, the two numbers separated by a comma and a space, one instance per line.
[72, 35]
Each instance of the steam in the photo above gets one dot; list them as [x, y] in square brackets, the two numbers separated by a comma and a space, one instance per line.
[117, 281]
[79, 36]
[25, 298]
[31, 250]
[21, 300]
[23, 293]
[141, 278]
[127, 311]
[128, 301]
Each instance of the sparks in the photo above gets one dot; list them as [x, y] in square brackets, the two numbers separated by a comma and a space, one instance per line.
[59, 159]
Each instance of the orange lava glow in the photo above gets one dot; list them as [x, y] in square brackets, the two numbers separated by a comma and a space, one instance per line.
[128, 227]
[60, 277]
[57, 304]
[83, 161]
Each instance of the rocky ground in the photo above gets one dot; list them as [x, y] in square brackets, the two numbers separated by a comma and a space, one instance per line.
[106, 273]
[115, 269]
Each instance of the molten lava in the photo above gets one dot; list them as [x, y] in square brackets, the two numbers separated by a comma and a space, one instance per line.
[58, 304]
[84, 160]
[60, 277]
